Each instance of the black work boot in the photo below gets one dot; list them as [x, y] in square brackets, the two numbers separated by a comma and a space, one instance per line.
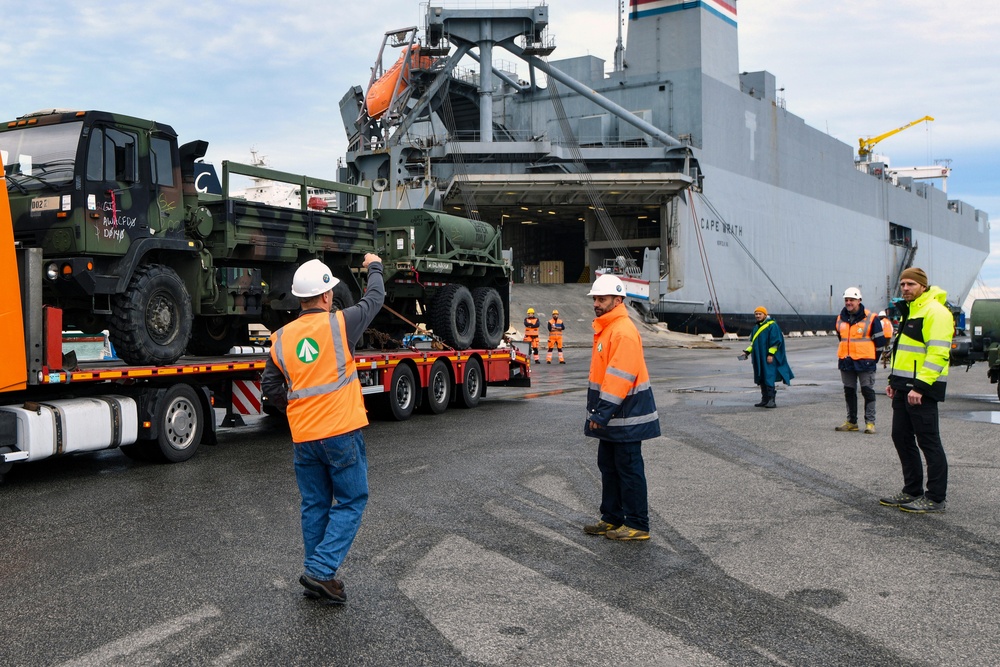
[763, 397]
[772, 392]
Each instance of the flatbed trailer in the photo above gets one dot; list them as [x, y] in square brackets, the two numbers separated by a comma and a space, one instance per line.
[166, 412]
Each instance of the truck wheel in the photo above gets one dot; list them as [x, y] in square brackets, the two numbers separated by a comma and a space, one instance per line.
[489, 318]
[151, 322]
[6, 465]
[180, 422]
[402, 395]
[453, 316]
[438, 388]
[342, 297]
[214, 335]
[473, 384]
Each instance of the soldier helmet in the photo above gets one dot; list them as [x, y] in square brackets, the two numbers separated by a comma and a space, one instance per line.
[607, 284]
[312, 279]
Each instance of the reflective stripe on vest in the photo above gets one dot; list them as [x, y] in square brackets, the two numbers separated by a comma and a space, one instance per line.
[757, 333]
[856, 344]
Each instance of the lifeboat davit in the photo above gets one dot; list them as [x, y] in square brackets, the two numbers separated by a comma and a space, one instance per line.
[394, 81]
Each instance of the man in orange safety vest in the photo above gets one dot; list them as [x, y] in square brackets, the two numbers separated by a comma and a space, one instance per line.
[863, 336]
[556, 328]
[311, 375]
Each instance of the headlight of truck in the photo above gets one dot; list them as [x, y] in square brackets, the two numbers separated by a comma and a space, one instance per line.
[51, 271]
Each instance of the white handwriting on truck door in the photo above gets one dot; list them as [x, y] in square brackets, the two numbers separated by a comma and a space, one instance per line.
[114, 224]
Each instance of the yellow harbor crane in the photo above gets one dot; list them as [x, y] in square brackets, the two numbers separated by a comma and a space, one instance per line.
[867, 144]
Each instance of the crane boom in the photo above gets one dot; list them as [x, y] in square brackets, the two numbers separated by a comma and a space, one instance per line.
[867, 144]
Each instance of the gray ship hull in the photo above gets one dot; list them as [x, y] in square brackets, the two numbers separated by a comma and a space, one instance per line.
[674, 149]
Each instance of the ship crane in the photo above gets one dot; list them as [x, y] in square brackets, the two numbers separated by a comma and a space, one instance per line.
[867, 144]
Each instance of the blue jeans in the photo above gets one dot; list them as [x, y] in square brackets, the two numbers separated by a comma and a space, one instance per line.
[332, 474]
[623, 484]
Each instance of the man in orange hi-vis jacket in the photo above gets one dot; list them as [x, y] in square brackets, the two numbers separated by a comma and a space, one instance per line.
[311, 375]
[621, 412]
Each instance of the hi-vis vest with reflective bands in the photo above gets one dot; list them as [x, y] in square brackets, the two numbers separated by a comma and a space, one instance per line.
[922, 348]
[324, 394]
[531, 326]
[855, 339]
[556, 328]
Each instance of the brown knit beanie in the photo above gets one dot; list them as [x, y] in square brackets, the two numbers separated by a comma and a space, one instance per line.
[914, 274]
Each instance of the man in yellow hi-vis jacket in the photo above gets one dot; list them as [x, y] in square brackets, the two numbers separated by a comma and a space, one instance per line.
[917, 384]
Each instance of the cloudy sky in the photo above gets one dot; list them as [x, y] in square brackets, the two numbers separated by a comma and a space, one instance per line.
[270, 75]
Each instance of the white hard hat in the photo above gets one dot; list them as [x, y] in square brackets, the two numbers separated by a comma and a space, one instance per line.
[852, 293]
[881, 313]
[607, 284]
[312, 279]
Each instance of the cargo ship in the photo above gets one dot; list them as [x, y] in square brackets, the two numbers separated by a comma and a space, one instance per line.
[669, 164]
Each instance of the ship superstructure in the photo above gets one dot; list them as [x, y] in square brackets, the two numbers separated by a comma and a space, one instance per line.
[739, 202]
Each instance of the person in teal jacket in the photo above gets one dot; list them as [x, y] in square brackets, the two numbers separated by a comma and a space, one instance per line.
[767, 351]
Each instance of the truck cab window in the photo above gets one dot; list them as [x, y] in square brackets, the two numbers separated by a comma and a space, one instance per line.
[112, 156]
[41, 156]
[160, 162]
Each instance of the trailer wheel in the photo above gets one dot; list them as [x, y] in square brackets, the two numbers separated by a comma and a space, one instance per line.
[438, 388]
[213, 335]
[473, 384]
[453, 316]
[402, 395]
[151, 321]
[489, 318]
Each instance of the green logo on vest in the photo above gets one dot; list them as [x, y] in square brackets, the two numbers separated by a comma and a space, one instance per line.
[307, 350]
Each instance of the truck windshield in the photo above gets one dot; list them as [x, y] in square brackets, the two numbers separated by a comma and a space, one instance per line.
[39, 156]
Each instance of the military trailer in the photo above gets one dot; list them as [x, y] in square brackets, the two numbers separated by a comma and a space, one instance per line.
[134, 241]
[449, 270]
[984, 342]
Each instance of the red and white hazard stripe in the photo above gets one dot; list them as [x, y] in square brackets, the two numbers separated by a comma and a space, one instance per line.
[246, 397]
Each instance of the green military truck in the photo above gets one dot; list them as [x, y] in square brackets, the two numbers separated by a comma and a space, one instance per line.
[135, 242]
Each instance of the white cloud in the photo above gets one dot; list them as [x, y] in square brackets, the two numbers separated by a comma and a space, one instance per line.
[271, 75]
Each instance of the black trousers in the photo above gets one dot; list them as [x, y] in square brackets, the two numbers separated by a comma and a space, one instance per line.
[915, 431]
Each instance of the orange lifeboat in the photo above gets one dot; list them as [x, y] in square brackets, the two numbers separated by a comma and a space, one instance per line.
[394, 81]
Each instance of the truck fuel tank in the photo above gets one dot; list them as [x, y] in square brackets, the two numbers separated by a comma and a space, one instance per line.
[985, 319]
[436, 232]
[50, 428]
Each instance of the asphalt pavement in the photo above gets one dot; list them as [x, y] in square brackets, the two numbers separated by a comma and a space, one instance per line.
[768, 544]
